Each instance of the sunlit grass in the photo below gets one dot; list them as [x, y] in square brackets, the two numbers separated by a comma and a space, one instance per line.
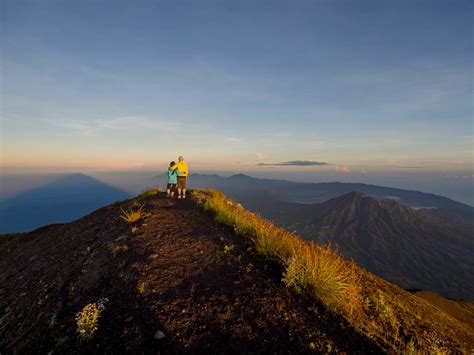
[132, 214]
[145, 195]
[316, 270]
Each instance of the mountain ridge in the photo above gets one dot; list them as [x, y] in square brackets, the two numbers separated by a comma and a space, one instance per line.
[352, 186]
[176, 271]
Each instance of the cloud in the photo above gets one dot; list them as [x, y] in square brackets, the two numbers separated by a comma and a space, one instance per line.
[343, 169]
[295, 163]
[233, 139]
[400, 167]
[259, 156]
[119, 123]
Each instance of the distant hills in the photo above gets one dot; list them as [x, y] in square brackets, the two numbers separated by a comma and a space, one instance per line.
[62, 200]
[247, 189]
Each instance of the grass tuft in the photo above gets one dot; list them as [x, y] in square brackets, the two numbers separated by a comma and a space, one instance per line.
[132, 214]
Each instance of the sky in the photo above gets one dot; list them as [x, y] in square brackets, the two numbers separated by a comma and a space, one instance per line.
[336, 87]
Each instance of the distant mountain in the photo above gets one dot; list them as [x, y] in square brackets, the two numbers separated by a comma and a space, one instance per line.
[245, 189]
[413, 248]
[63, 200]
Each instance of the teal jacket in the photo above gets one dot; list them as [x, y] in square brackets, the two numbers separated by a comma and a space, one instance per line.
[172, 176]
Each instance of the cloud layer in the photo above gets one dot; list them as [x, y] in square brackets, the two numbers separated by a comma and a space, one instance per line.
[296, 163]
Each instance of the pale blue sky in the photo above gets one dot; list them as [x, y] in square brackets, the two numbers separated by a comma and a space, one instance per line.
[358, 84]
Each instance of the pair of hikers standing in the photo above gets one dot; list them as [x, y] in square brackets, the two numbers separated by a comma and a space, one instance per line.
[177, 175]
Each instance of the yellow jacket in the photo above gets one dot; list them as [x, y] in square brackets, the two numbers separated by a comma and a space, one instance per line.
[182, 168]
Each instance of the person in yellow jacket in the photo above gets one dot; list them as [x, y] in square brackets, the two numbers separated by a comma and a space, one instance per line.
[182, 168]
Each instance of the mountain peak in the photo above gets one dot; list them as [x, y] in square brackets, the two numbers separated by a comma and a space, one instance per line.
[351, 198]
[389, 239]
[240, 176]
[356, 195]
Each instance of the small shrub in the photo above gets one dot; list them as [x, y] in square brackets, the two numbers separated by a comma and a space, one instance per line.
[87, 319]
[132, 215]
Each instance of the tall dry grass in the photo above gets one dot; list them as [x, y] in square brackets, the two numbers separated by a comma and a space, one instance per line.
[309, 268]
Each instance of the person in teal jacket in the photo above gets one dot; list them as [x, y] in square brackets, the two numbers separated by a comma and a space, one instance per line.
[172, 180]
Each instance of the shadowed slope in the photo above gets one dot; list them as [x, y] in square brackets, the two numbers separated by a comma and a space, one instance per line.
[62, 200]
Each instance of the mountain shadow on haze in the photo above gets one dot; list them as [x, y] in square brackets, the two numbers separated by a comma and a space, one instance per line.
[63, 200]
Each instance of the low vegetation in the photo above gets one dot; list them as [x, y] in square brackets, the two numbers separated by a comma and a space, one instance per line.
[87, 320]
[132, 214]
[393, 318]
[134, 209]
[145, 195]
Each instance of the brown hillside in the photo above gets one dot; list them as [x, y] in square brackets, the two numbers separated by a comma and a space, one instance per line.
[178, 272]
[461, 310]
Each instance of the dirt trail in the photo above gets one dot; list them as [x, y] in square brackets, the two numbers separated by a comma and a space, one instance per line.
[184, 274]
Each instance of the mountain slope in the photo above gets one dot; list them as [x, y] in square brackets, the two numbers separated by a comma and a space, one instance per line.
[412, 248]
[393, 317]
[179, 272]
